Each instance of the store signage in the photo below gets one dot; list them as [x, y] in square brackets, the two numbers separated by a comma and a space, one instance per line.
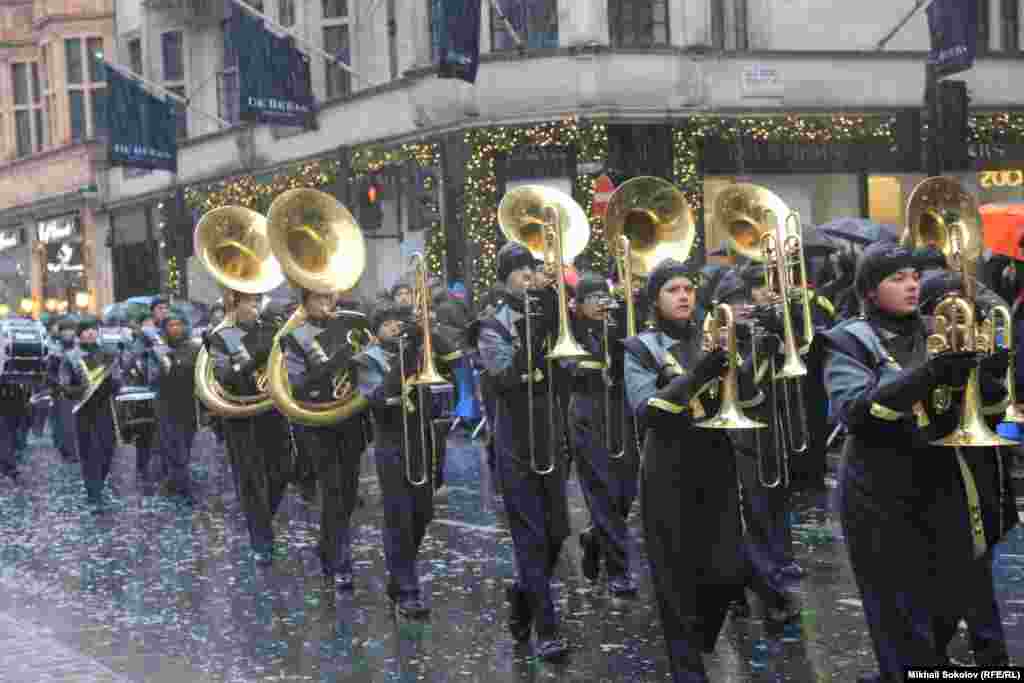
[1013, 177]
[747, 156]
[9, 238]
[537, 162]
[760, 80]
[57, 229]
[64, 258]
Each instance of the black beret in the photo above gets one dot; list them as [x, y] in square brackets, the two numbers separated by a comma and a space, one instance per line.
[665, 271]
[590, 283]
[512, 257]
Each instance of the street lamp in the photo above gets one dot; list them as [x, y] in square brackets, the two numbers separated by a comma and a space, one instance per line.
[51, 305]
[5, 310]
[82, 299]
[26, 306]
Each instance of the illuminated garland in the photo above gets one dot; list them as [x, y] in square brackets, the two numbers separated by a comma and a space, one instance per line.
[372, 159]
[173, 277]
[1007, 128]
[481, 189]
[257, 193]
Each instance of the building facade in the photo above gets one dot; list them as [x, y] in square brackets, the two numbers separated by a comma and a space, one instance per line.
[626, 87]
[53, 170]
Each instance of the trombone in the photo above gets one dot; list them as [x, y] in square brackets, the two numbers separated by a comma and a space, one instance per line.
[730, 416]
[942, 214]
[647, 221]
[1000, 333]
[426, 376]
[761, 227]
[553, 227]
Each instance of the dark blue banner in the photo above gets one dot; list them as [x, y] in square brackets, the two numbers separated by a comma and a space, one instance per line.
[273, 75]
[142, 128]
[953, 25]
[456, 34]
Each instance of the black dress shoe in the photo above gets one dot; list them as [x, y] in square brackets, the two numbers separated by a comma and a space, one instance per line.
[622, 586]
[519, 617]
[551, 648]
[591, 564]
[413, 608]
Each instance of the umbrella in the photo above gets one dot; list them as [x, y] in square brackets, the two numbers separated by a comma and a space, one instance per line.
[1004, 228]
[859, 231]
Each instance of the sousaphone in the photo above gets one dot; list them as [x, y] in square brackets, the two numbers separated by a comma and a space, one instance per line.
[321, 249]
[231, 241]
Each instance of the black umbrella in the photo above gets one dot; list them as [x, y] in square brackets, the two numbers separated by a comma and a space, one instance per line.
[859, 230]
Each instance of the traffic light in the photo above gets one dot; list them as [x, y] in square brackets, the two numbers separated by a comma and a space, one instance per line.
[370, 215]
[426, 200]
[952, 125]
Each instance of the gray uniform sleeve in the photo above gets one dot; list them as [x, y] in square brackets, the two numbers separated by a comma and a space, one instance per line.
[370, 379]
[846, 381]
[641, 382]
[295, 363]
[496, 354]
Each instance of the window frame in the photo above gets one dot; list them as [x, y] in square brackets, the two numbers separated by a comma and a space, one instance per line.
[615, 23]
[87, 87]
[497, 27]
[1009, 26]
[177, 86]
[33, 106]
[330, 67]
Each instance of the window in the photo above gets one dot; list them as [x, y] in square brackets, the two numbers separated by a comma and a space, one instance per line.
[173, 57]
[86, 87]
[336, 42]
[335, 9]
[286, 13]
[49, 96]
[536, 22]
[1010, 26]
[227, 80]
[180, 111]
[983, 27]
[135, 56]
[638, 23]
[29, 129]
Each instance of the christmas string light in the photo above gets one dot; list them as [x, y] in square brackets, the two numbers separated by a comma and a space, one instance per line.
[481, 187]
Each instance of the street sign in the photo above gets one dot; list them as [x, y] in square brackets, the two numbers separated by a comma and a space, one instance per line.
[603, 190]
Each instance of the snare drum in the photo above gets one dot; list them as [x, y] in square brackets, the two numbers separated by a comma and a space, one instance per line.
[134, 410]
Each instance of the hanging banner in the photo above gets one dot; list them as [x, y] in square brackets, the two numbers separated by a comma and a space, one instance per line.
[953, 25]
[274, 82]
[143, 129]
[456, 36]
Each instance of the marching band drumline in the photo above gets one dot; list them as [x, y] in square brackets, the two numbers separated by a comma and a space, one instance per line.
[708, 401]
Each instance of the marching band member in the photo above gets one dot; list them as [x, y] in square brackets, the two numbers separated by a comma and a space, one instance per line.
[536, 504]
[314, 358]
[258, 447]
[173, 376]
[689, 497]
[899, 495]
[609, 483]
[138, 367]
[65, 437]
[991, 475]
[408, 509]
[95, 421]
[763, 455]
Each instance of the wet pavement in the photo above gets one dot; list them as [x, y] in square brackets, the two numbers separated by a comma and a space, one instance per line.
[155, 591]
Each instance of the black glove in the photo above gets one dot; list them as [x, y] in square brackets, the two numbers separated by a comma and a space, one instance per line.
[997, 363]
[898, 393]
[768, 319]
[952, 368]
[709, 367]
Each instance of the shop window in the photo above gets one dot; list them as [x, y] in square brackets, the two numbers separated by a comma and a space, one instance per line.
[638, 23]
[885, 200]
[535, 21]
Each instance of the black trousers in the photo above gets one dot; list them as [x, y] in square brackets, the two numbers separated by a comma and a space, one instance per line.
[259, 449]
[336, 453]
[407, 511]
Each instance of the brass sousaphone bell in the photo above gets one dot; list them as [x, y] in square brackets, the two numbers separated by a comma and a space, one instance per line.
[321, 249]
[653, 215]
[231, 241]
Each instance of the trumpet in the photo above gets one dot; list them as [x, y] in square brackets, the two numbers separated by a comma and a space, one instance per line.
[721, 323]
[942, 214]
